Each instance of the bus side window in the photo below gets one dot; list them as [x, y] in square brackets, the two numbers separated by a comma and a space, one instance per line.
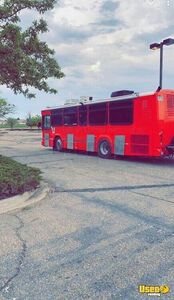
[98, 114]
[57, 117]
[70, 116]
[121, 112]
[83, 115]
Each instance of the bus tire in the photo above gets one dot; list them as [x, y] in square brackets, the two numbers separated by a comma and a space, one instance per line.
[58, 144]
[104, 149]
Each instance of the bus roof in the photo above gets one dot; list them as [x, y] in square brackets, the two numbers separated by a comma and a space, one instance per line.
[127, 97]
[132, 96]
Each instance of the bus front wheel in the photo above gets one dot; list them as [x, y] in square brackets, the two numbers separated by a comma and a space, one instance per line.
[58, 144]
[104, 149]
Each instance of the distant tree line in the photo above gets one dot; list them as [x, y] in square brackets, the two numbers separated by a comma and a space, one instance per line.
[7, 108]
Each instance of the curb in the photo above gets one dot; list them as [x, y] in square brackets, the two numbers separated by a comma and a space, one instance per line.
[26, 199]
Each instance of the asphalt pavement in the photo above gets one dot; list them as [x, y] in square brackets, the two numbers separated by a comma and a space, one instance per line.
[106, 227]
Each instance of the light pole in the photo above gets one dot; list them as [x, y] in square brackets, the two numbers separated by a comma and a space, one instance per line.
[160, 45]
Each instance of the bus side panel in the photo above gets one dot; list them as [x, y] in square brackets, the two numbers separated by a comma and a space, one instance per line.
[149, 134]
[81, 138]
[144, 139]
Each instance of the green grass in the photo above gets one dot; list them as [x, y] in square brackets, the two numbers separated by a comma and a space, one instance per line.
[16, 178]
[16, 126]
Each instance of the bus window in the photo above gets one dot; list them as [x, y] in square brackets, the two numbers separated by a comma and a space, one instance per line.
[121, 112]
[97, 114]
[46, 122]
[82, 115]
[57, 117]
[70, 116]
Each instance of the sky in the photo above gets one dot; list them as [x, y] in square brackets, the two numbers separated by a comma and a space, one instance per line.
[102, 46]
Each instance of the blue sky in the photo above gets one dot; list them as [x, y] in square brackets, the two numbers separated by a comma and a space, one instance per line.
[102, 46]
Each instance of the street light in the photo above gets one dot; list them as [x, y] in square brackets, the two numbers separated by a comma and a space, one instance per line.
[156, 46]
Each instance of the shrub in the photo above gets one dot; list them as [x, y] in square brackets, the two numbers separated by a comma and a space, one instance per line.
[16, 178]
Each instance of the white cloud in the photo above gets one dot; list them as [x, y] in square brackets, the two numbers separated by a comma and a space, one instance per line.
[96, 67]
[77, 14]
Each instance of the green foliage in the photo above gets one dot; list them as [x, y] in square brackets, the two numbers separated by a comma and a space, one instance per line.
[6, 108]
[33, 121]
[25, 61]
[16, 178]
[12, 122]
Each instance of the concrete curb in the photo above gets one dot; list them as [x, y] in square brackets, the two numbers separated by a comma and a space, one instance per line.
[26, 199]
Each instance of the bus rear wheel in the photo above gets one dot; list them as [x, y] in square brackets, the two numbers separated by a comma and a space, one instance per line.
[58, 144]
[104, 149]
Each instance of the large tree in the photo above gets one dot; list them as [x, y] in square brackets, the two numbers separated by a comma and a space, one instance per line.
[25, 60]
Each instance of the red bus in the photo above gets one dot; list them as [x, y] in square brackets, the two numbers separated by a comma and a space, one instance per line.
[127, 124]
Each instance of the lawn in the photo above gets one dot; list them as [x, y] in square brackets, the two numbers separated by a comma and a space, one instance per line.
[16, 126]
[16, 178]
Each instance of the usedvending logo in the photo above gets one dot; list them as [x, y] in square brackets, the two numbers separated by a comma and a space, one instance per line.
[153, 290]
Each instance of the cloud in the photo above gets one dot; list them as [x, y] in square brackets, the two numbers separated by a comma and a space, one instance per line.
[96, 67]
[103, 45]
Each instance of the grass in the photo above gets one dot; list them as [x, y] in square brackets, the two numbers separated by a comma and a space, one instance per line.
[17, 178]
[16, 126]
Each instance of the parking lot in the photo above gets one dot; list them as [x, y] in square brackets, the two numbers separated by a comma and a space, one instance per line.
[106, 227]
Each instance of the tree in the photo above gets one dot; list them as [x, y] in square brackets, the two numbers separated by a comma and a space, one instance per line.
[12, 122]
[33, 121]
[25, 61]
[6, 108]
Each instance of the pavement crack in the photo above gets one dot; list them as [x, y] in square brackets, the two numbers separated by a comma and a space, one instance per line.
[21, 255]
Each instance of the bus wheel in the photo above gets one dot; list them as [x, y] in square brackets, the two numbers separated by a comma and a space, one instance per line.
[58, 144]
[104, 149]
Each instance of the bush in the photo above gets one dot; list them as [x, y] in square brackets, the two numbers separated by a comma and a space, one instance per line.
[16, 178]
[33, 121]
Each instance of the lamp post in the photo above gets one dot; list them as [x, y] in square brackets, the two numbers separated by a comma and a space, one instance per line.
[160, 45]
